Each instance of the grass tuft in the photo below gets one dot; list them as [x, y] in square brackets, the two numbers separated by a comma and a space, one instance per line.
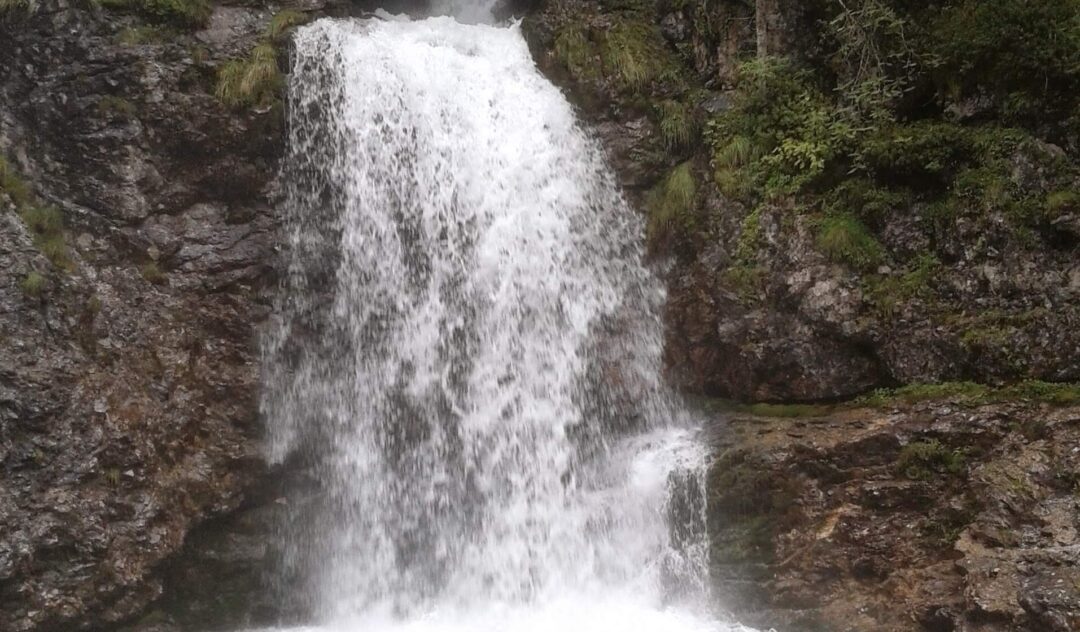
[844, 239]
[114, 105]
[254, 80]
[146, 34]
[33, 285]
[152, 273]
[671, 204]
[921, 460]
[13, 185]
[677, 126]
[283, 21]
[634, 54]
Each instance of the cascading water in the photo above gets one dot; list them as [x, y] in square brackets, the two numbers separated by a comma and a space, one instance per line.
[467, 349]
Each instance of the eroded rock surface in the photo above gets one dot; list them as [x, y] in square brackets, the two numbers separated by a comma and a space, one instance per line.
[935, 516]
[128, 402]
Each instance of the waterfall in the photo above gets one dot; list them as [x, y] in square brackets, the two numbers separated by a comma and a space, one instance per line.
[467, 351]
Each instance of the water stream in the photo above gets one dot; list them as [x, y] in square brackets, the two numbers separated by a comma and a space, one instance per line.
[467, 349]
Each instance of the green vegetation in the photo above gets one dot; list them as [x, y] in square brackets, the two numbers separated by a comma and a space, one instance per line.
[145, 34]
[114, 105]
[189, 14]
[13, 185]
[112, 476]
[33, 285]
[255, 81]
[634, 53]
[15, 7]
[283, 21]
[677, 126]
[46, 223]
[910, 106]
[47, 226]
[747, 506]
[845, 239]
[153, 273]
[671, 203]
[922, 460]
[576, 53]
[973, 394]
[786, 410]
[887, 292]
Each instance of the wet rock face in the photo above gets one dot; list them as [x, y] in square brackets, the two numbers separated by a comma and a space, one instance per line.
[128, 410]
[930, 517]
[756, 310]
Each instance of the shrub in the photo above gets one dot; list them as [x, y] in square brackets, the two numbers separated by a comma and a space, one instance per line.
[844, 239]
[254, 80]
[1026, 54]
[781, 134]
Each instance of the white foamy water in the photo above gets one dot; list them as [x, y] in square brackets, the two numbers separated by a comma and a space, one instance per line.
[467, 351]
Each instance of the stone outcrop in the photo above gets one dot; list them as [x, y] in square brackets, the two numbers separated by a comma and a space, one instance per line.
[939, 516]
[128, 371]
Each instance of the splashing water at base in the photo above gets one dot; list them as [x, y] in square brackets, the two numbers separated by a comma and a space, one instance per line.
[468, 352]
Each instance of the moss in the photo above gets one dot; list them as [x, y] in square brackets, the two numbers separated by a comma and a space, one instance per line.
[1057, 393]
[153, 273]
[973, 394]
[888, 292]
[283, 21]
[1059, 203]
[33, 285]
[844, 239]
[253, 81]
[671, 205]
[922, 460]
[747, 506]
[114, 105]
[865, 199]
[577, 53]
[787, 410]
[914, 393]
